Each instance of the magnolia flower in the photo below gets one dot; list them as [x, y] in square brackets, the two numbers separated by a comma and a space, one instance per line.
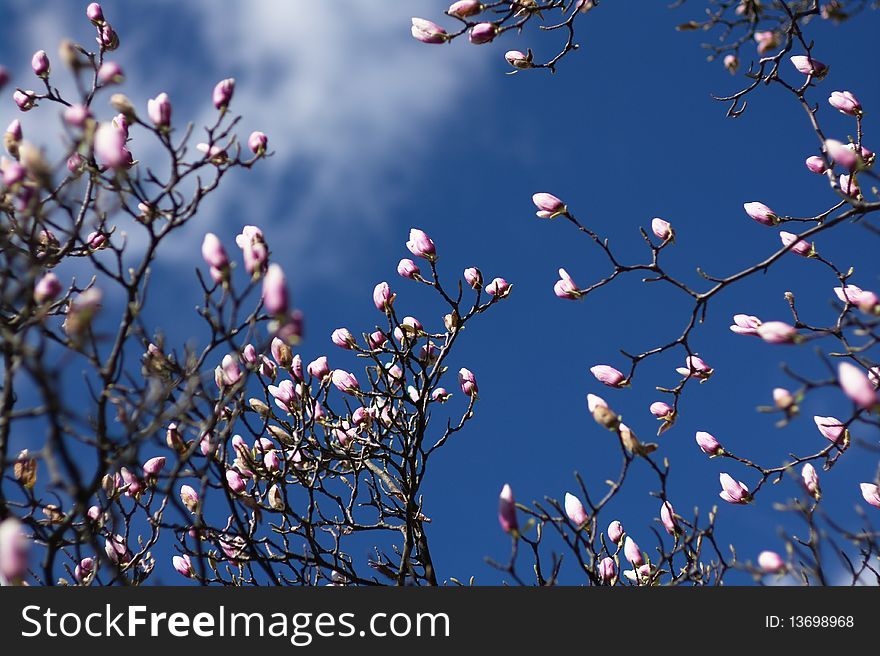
[468, 382]
[465, 8]
[832, 429]
[733, 491]
[809, 66]
[275, 290]
[761, 213]
[777, 332]
[566, 288]
[816, 164]
[845, 102]
[695, 367]
[708, 444]
[811, 480]
[575, 510]
[190, 498]
[745, 324]
[319, 368]
[661, 410]
[662, 229]
[667, 518]
[427, 31]
[519, 59]
[771, 562]
[731, 63]
[615, 531]
[856, 385]
[473, 277]
[383, 298]
[222, 94]
[782, 398]
[408, 269]
[483, 33]
[345, 382]
[549, 206]
[159, 110]
[870, 492]
[420, 245]
[632, 552]
[849, 294]
[606, 569]
[183, 565]
[608, 375]
[797, 245]
[507, 510]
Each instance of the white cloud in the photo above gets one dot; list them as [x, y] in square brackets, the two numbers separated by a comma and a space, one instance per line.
[350, 103]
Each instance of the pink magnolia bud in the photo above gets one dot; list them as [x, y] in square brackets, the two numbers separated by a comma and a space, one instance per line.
[632, 552]
[183, 565]
[213, 153]
[761, 213]
[107, 37]
[507, 510]
[345, 382]
[84, 570]
[811, 480]
[154, 466]
[594, 402]
[849, 186]
[483, 33]
[733, 491]
[383, 298]
[408, 269]
[82, 311]
[473, 277]
[465, 8]
[440, 395]
[376, 339]
[766, 41]
[575, 510]
[109, 145]
[608, 375]
[856, 386]
[75, 163]
[190, 498]
[235, 482]
[272, 462]
[249, 354]
[13, 173]
[24, 100]
[96, 241]
[731, 63]
[615, 531]
[778, 332]
[845, 102]
[816, 164]
[110, 73]
[420, 245]
[519, 59]
[549, 206]
[709, 445]
[14, 548]
[77, 116]
[427, 31]
[254, 250]
[215, 257]
[296, 367]
[667, 517]
[343, 338]
[745, 324]
[40, 64]
[159, 110]
[606, 569]
[661, 410]
[869, 303]
[695, 367]
[468, 382]
[771, 562]
[12, 137]
[258, 142]
[94, 13]
[318, 368]
[566, 288]
[662, 229]
[281, 352]
[47, 288]
[843, 154]
[275, 290]
[850, 294]
[870, 492]
[809, 66]
[499, 287]
[797, 245]
[231, 369]
[222, 94]
[832, 429]
[782, 398]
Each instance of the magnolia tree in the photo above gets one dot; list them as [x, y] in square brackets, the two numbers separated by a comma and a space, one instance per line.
[253, 467]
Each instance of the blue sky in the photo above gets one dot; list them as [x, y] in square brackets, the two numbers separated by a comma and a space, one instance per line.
[376, 133]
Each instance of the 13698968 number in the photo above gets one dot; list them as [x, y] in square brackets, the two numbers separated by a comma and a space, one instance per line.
[821, 621]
